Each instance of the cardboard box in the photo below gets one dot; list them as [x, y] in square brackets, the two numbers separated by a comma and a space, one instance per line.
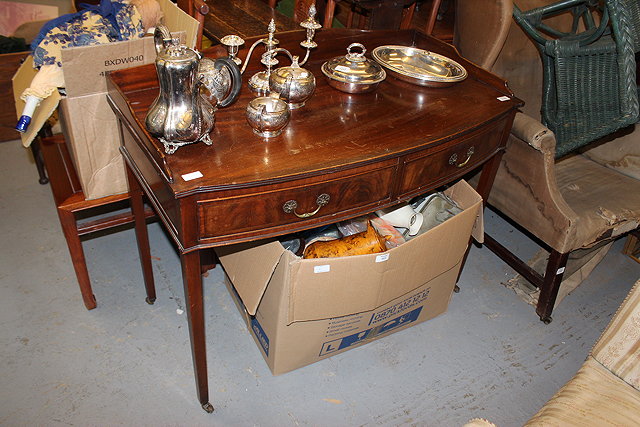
[300, 311]
[89, 124]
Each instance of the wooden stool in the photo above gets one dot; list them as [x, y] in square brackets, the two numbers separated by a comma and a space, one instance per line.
[70, 201]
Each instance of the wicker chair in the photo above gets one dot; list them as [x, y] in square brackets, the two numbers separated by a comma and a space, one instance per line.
[589, 76]
[565, 202]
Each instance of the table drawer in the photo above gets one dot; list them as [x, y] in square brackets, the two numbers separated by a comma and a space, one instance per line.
[296, 203]
[430, 169]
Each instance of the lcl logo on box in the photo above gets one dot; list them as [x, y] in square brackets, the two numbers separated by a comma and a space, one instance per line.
[348, 341]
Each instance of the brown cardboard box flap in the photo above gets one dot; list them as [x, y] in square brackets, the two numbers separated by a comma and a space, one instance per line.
[362, 283]
[178, 20]
[22, 80]
[250, 266]
[460, 192]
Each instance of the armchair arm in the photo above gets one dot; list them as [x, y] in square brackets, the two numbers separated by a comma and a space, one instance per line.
[534, 133]
[525, 188]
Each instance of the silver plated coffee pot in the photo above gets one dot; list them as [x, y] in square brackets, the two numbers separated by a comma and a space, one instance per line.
[183, 112]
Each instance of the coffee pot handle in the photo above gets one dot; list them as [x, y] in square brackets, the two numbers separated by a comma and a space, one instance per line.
[161, 38]
[236, 79]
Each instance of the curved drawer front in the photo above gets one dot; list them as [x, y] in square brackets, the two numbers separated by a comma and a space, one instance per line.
[431, 169]
[295, 204]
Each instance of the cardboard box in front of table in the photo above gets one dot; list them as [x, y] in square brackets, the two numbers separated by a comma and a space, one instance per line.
[300, 311]
[89, 124]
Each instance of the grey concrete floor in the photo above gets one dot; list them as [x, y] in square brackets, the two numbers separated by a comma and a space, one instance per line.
[128, 363]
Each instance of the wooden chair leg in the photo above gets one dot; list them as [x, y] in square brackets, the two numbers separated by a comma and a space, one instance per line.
[350, 18]
[328, 13]
[37, 157]
[70, 230]
[632, 246]
[551, 284]
[407, 17]
[433, 15]
[548, 285]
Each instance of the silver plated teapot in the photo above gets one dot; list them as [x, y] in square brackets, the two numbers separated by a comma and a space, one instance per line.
[183, 113]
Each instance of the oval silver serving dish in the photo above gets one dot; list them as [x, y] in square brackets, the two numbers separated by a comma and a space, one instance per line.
[419, 66]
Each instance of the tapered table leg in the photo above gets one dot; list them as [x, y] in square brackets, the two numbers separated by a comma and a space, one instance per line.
[137, 208]
[192, 280]
[487, 176]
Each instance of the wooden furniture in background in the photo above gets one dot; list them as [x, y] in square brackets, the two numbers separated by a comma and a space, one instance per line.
[199, 10]
[9, 64]
[244, 18]
[366, 151]
[380, 14]
[432, 16]
[71, 205]
[373, 14]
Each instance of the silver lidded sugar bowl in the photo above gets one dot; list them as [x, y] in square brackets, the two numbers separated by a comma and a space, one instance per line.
[294, 84]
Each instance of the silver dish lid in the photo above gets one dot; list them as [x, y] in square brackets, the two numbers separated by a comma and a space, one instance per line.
[354, 67]
[294, 70]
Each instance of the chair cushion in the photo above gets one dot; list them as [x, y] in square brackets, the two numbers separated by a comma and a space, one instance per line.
[621, 154]
[593, 397]
[619, 346]
[607, 203]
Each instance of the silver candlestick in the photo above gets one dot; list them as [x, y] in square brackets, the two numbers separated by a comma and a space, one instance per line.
[233, 43]
[259, 82]
[311, 25]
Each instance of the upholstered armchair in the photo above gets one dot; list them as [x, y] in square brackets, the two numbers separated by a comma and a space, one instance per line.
[578, 201]
[606, 389]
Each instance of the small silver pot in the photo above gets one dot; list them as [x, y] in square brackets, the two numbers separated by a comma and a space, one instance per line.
[268, 115]
[353, 73]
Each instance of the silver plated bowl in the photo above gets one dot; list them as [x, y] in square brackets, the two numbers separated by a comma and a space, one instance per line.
[419, 66]
[268, 115]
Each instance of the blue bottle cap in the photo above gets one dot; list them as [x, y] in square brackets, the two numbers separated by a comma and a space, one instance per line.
[23, 124]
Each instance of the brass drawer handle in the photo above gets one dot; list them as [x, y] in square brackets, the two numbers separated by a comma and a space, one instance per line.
[291, 205]
[454, 158]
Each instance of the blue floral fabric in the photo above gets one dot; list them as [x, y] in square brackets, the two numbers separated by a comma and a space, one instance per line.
[88, 28]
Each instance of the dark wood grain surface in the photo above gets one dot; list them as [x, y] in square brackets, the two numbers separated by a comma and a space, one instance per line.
[335, 130]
